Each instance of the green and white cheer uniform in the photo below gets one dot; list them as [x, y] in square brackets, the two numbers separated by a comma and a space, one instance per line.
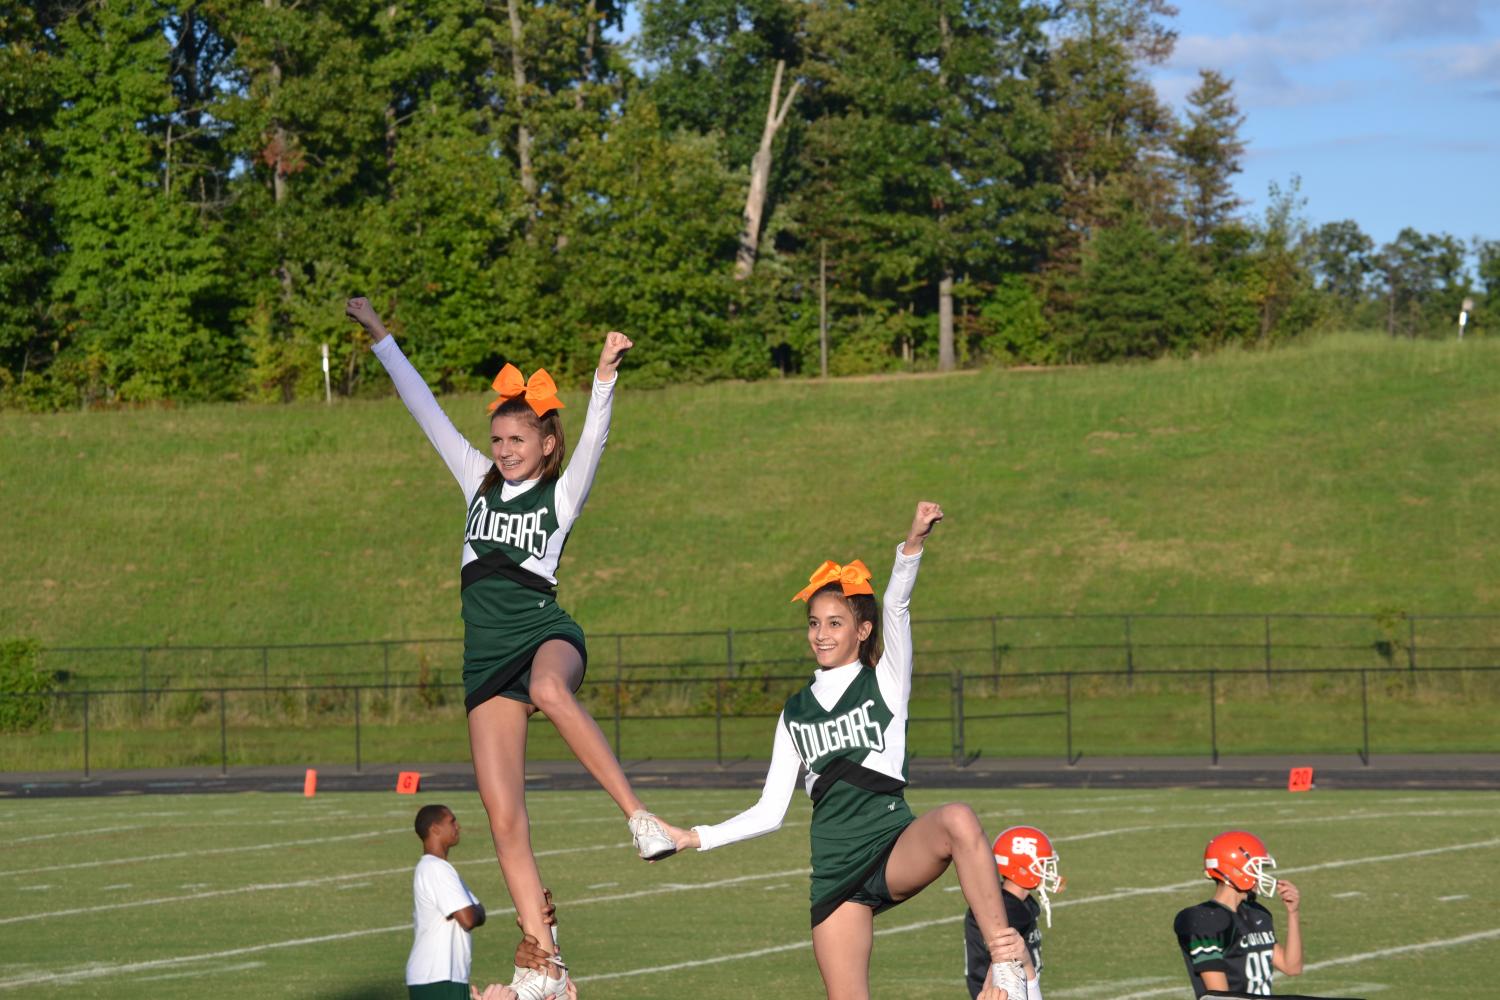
[847, 727]
[513, 539]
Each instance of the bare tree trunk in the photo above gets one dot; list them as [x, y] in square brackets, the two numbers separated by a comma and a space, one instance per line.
[945, 322]
[518, 74]
[945, 283]
[823, 309]
[760, 174]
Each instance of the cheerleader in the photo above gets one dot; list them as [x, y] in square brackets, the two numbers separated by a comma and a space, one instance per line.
[847, 727]
[522, 652]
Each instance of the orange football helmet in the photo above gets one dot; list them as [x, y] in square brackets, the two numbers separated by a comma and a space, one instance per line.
[1241, 860]
[1024, 855]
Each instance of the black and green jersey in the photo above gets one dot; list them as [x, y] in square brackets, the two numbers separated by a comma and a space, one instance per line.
[1019, 913]
[1239, 943]
[514, 533]
[847, 728]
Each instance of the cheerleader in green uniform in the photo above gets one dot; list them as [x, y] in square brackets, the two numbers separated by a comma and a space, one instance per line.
[847, 729]
[522, 652]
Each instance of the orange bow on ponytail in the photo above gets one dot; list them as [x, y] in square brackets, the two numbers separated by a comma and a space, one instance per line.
[540, 391]
[854, 578]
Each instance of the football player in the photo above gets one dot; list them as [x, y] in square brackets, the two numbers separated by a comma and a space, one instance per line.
[1229, 942]
[1028, 873]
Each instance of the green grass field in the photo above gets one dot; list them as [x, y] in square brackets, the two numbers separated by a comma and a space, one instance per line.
[1354, 474]
[263, 895]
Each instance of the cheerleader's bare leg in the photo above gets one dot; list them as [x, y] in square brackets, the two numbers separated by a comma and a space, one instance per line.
[555, 671]
[842, 944]
[497, 739]
[952, 834]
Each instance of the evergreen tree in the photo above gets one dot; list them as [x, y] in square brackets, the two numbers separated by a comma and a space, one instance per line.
[28, 242]
[1109, 141]
[1208, 148]
[1139, 295]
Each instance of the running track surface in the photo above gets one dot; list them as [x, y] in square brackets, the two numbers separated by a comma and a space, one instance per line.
[1393, 772]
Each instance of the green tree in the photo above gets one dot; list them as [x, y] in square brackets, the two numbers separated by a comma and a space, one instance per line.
[1341, 259]
[1109, 134]
[1279, 282]
[931, 138]
[310, 136]
[1487, 253]
[1426, 280]
[1139, 294]
[652, 223]
[1208, 149]
[28, 243]
[141, 283]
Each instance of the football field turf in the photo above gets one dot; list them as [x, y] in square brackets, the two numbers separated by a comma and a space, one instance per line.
[259, 895]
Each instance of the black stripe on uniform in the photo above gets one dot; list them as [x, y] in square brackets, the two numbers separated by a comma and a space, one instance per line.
[496, 563]
[856, 774]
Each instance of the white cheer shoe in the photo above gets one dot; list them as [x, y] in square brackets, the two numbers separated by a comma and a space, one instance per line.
[530, 984]
[651, 841]
[1010, 977]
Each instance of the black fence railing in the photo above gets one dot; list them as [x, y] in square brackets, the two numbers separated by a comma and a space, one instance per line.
[995, 644]
[954, 714]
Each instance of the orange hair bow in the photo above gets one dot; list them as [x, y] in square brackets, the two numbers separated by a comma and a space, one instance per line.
[854, 578]
[540, 391]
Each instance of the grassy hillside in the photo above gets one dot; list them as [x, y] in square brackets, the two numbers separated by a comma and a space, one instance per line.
[1350, 475]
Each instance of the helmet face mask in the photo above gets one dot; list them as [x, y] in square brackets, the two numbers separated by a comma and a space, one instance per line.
[1240, 860]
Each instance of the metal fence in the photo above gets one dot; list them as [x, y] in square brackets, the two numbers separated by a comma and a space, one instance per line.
[995, 644]
[954, 714]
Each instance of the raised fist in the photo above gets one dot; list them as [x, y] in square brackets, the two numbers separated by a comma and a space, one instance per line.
[360, 310]
[615, 346]
[928, 514]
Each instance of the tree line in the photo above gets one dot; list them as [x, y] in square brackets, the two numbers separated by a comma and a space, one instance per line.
[191, 190]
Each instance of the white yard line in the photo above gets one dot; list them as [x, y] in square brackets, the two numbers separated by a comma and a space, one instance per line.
[269, 887]
[1403, 949]
[1104, 897]
[93, 972]
[73, 833]
[101, 971]
[274, 846]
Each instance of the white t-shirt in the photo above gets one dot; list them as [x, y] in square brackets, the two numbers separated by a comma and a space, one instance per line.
[440, 952]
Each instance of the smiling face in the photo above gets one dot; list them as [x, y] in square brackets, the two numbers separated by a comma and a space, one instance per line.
[519, 446]
[833, 630]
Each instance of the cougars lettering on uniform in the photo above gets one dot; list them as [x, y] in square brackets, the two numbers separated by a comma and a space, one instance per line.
[1257, 937]
[521, 531]
[855, 728]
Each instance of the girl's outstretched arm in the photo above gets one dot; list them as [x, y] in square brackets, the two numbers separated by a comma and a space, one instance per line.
[763, 817]
[573, 485]
[894, 668]
[466, 462]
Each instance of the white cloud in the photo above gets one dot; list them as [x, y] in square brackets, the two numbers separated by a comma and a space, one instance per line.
[1258, 65]
[1369, 21]
[1479, 62]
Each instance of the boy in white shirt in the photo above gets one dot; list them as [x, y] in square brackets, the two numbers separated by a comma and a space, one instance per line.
[444, 914]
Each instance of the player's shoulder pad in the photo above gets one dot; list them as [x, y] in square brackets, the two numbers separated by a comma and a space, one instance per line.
[1203, 920]
[1017, 913]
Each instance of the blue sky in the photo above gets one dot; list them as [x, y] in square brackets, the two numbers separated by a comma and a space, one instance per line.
[1389, 110]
